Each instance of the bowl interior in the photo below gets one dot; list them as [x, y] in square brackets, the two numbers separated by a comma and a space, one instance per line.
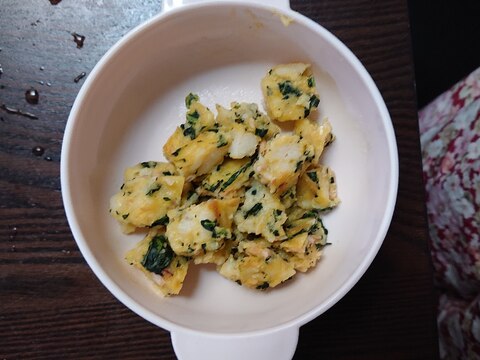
[134, 100]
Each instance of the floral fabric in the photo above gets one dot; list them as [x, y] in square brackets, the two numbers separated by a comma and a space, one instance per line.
[450, 138]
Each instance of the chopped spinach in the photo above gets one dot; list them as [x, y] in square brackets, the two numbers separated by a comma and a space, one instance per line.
[190, 99]
[164, 220]
[263, 286]
[148, 164]
[208, 224]
[159, 255]
[311, 81]
[298, 166]
[153, 190]
[261, 132]
[234, 176]
[193, 117]
[214, 187]
[254, 210]
[221, 141]
[313, 176]
[314, 101]
[287, 89]
[190, 131]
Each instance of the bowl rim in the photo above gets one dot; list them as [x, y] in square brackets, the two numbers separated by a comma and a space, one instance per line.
[72, 122]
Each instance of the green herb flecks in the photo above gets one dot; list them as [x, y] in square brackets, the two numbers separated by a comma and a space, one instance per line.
[235, 175]
[159, 255]
[321, 246]
[312, 105]
[153, 190]
[164, 220]
[148, 164]
[311, 81]
[263, 286]
[313, 176]
[190, 131]
[287, 89]
[298, 166]
[261, 132]
[221, 141]
[254, 210]
[189, 99]
[192, 118]
[208, 224]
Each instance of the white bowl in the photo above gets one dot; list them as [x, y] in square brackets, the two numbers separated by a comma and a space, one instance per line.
[133, 100]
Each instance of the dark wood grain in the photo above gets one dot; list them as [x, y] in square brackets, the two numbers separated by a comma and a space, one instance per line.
[51, 304]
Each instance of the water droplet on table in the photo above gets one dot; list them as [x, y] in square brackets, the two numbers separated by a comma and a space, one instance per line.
[11, 110]
[80, 77]
[32, 96]
[38, 151]
[13, 235]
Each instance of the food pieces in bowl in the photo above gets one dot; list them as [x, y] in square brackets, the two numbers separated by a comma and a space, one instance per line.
[201, 228]
[319, 135]
[306, 237]
[242, 194]
[262, 213]
[317, 189]
[255, 264]
[156, 259]
[282, 160]
[289, 92]
[149, 190]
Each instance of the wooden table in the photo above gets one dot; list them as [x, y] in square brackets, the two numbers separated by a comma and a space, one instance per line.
[51, 304]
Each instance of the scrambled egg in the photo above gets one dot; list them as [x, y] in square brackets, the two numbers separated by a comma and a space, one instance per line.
[149, 190]
[289, 92]
[154, 257]
[236, 191]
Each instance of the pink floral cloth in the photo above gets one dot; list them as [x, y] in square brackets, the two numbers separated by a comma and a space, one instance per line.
[450, 138]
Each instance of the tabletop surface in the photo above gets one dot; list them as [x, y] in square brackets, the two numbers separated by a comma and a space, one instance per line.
[52, 305]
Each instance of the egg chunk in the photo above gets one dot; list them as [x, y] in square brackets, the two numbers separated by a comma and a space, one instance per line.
[228, 179]
[306, 238]
[148, 192]
[317, 189]
[262, 213]
[201, 155]
[198, 145]
[256, 265]
[282, 160]
[289, 92]
[319, 135]
[201, 228]
[198, 119]
[156, 259]
[247, 126]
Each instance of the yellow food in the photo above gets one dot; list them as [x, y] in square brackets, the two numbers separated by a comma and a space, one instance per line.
[236, 191]
[289, 92]
[169, 279]
[149, 190]
[317, 189]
